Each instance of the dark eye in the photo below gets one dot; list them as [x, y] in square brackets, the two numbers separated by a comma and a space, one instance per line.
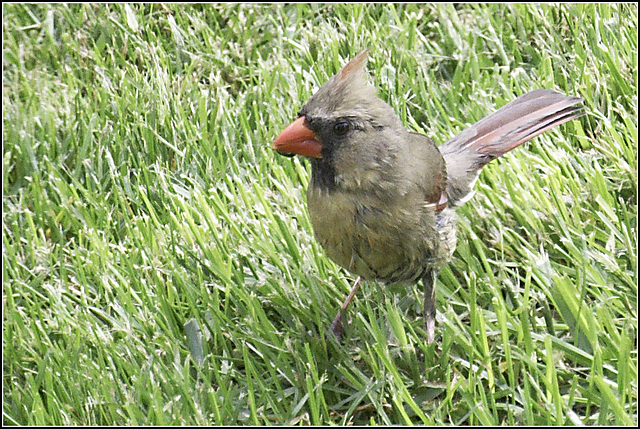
[341, 128]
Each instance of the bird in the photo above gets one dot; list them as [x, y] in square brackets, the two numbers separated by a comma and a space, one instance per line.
[382, 199]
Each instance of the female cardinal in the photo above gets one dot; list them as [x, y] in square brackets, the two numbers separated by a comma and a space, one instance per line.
[381, 199]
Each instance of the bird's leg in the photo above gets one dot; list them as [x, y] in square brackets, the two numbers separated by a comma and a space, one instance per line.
[429, 282]
[336, 325]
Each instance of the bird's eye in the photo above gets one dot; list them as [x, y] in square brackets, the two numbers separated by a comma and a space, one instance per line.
[341, 128]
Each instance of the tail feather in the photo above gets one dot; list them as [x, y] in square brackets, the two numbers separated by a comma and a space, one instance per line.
[517, 122]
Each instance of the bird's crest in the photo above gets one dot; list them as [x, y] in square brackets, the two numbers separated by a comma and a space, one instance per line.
[355, 66]
[347, 91]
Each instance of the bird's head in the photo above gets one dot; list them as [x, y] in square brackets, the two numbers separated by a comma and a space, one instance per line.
[344, 125]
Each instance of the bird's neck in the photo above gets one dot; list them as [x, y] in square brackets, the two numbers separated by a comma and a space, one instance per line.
[323, 174]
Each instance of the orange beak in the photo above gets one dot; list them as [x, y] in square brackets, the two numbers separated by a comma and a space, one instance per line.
[297, 139]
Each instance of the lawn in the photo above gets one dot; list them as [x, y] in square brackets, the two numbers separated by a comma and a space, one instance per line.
[158, 262]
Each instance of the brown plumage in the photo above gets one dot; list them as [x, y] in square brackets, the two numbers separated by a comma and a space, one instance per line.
[381, 199]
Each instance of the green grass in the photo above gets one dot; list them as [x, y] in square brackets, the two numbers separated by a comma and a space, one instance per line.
[158, 260]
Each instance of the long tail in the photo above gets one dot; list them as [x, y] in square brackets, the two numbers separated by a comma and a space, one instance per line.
[515, 123]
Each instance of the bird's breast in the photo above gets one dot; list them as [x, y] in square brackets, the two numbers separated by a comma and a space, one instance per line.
[376, 239]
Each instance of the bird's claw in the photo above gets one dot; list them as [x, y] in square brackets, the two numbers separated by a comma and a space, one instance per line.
[337, 328]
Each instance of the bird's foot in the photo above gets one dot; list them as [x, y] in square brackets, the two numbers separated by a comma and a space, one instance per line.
[337, 328]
